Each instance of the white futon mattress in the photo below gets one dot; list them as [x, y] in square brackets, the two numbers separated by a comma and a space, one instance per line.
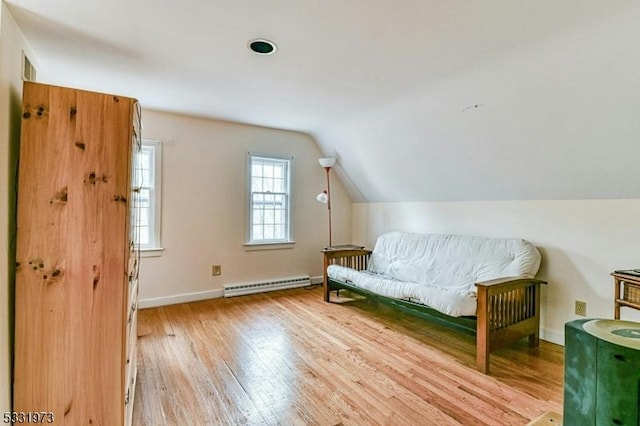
[440, 271]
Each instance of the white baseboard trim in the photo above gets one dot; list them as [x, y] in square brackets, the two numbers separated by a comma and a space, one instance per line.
[194, 297]
[179, 298]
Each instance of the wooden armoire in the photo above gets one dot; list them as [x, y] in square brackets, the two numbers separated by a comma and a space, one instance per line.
[77, 257]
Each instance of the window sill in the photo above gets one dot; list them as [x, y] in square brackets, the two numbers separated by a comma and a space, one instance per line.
[269, 246]
[151, 252]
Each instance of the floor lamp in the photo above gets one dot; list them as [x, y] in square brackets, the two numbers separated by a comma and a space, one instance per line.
[325, 196]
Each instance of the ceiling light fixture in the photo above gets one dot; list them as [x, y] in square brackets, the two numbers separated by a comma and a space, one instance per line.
[262, 46]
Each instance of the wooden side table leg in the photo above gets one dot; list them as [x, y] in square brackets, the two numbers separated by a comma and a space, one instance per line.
[616, 297]
[325, 284]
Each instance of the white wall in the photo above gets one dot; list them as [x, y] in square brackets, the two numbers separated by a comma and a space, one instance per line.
[203, 207]
[581, 243]
[12, 43]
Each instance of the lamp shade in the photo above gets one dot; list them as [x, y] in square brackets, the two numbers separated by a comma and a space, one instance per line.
[327, 161]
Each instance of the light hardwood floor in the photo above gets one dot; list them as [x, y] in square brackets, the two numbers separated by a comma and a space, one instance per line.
[287, 357]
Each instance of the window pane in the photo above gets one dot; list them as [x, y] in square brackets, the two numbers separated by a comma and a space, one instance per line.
[144, 235]
[278, 185]
[268, 170]
[143, 218]
[268, 217]
[256, 184]
[268, 233]
[257, 232]
[137, 175]
[279, 216]
[268, 185]
[278, 171]
[258, 216]
[269, 200]
[144, 164]
[279, 232]
[258, 199]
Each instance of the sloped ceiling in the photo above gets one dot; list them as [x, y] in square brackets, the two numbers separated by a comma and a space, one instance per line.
[419, 99]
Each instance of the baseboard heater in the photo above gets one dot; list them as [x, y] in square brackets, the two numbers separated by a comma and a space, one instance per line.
[240, 289]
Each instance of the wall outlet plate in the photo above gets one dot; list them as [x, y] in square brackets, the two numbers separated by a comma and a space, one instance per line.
[216, 270]
[581, 308]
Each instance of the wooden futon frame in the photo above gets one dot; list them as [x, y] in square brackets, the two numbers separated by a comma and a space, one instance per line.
[508, 308]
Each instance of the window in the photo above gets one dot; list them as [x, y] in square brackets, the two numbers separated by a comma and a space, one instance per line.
[269, 199]
[147, 178]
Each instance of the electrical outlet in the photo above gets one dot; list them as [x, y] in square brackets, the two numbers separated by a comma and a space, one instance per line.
[581, 308]
[216, 270]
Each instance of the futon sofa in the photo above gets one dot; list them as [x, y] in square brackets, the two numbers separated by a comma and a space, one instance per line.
[484, 286]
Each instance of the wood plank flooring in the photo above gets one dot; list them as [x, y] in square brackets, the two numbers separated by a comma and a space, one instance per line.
[287, 357]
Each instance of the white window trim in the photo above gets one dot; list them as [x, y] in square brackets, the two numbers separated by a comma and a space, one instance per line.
[268, 245]
[156, 249]
[151, 252]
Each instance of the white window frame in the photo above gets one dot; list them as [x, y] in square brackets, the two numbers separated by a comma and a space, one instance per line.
[154, 247]
[260, 243]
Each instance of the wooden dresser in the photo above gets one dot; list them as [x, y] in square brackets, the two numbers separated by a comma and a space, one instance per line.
[77, 257]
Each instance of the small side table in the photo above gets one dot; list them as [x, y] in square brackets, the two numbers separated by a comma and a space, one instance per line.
[627, 292]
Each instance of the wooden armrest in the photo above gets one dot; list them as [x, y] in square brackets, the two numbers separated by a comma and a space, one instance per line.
[508, 281]
[336, 254]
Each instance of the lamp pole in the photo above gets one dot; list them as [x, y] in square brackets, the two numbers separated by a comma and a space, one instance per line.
[328, 169]
[327, 163]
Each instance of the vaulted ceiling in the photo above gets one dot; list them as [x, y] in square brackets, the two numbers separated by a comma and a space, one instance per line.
[419, 99]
